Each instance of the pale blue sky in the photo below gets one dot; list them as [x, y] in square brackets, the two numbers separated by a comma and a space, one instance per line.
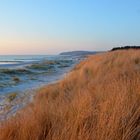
[52, 26]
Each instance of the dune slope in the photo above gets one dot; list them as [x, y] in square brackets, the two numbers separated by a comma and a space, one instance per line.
[98, 100]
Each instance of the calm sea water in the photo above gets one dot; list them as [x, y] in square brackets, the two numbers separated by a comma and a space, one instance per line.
[18, 73]
[12, 60]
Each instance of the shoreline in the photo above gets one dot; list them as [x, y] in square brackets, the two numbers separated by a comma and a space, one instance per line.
[24, 98]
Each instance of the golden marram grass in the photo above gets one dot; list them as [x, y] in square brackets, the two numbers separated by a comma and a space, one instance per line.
[98, 100]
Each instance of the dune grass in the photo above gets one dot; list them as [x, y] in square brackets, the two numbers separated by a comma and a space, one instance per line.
[98, 100]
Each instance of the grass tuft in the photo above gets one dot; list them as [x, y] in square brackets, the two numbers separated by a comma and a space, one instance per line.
[11, 96]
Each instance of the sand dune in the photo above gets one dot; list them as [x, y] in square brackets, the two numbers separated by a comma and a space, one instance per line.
[98, 100]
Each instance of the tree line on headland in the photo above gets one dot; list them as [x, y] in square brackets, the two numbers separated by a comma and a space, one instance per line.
[125, 48]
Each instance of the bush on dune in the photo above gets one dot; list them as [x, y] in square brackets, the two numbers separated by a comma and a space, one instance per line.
[98, 100]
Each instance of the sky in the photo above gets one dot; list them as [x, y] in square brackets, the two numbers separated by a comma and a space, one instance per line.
[53, 26]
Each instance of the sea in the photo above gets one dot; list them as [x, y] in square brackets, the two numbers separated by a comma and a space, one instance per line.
[22, 72]
[21, 76]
